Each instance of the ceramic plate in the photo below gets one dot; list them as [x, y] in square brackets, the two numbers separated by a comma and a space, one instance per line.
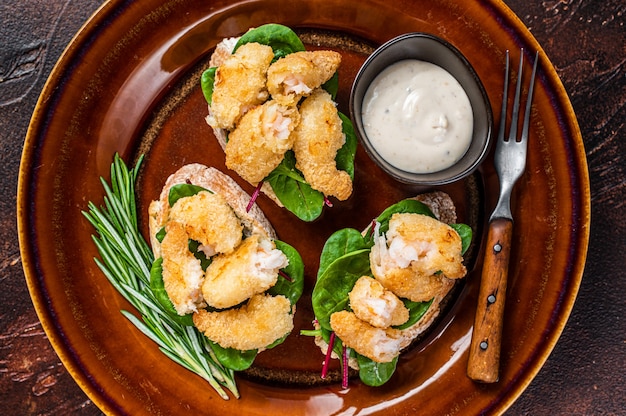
[128, 83]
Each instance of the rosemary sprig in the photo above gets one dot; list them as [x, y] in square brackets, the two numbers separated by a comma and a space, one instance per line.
[126, 259]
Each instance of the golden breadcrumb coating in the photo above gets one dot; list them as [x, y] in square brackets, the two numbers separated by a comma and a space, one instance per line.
[252, 268]
[374, 304]
[318, 137]
[378, 344]
[298, 74]
[259, 142]
[255, 325]
[210, 220]
[182, 273]
[240, 84]
[417, 257]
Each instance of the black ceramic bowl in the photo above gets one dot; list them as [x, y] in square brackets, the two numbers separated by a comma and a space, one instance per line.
[429, 48]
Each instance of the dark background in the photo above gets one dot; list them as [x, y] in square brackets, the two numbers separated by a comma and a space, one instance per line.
[586, 42]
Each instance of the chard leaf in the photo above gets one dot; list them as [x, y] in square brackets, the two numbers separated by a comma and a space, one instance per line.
[373, 373]
[183, 190]
[416, 311]
[199, 254]
[282, 39]
[158, 288]
[207, 80]
[231, 358]
[345, 155]
[340, 243]
[465, 231]
[332, 288]
[332, 85]
[294, 192]
[291, 289]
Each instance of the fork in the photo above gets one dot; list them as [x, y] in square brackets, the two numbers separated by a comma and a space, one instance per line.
[509, 161]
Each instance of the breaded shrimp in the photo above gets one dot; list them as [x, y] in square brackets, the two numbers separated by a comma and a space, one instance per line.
[380, 345]
[298, 74]
[258, 144]
[208, 219]
[255, 325]
[182, 274]
[417, 257]
[318, 137]
[251, 269]
[374, 304]
[240, 84]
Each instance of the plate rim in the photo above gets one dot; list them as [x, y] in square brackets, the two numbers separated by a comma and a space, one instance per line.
[28, 247]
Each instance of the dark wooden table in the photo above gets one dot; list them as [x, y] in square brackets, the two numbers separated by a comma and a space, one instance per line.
[586, 42]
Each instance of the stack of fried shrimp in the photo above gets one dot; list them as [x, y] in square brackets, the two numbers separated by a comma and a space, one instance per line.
[418, 259]
[266, 109]
[228, 299]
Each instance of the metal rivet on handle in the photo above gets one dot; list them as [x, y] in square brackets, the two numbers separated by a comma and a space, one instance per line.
[484, 345]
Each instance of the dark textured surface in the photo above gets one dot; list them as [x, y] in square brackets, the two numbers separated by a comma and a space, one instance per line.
[585, 40]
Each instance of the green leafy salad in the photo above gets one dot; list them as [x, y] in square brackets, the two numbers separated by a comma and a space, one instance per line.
[286, 181]
[344, 259]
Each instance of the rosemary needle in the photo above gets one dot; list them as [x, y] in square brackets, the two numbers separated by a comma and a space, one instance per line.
[126, 259]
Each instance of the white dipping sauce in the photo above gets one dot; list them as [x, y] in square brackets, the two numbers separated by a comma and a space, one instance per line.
[417, 117]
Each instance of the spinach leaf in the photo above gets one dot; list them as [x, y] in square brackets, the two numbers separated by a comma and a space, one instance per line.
[416, 311]
[292, 290]
[231, 358]
[373, 373]
[409, 206]
[183, 190]
[332, 288]
[465, 231]
[332, 85]
[207, 80]
[345, 155]
[282, 39]
[158, 288]
[293, 191]
[160, 235]
[204, 260]
[340, 243]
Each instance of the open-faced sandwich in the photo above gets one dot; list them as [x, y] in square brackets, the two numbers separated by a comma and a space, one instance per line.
[379, 289]
[271, 107]
[219, 266]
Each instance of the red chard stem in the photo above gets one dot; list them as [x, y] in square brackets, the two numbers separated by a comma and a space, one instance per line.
[254, 196]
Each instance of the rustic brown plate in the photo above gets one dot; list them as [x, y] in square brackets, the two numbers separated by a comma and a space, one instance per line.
[128, 84]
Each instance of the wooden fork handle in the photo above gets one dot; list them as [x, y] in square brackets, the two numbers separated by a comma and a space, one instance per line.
[484, 354]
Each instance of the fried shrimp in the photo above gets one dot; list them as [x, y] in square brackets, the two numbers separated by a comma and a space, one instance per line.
[259, 142]
[380, 345]
[240, 84]
[318, 137]
[298, 74]
[374, 304]
[208, 219]
[255, 325]
[418, 257]
[251, 269]
[182, 273]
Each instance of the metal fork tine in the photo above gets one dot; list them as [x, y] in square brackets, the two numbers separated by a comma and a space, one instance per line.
[518, 93]
[504, 100]
[529, 100]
